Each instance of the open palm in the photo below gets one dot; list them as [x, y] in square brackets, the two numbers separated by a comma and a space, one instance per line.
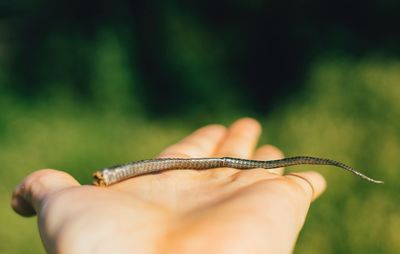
[178, 211]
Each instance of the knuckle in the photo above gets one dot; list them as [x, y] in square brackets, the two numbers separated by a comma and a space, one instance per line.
[36, 182]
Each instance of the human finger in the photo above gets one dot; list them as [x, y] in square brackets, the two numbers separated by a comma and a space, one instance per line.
[201, 143]
[269, 152]
[241, 139]
[312, 183]
[28, 197]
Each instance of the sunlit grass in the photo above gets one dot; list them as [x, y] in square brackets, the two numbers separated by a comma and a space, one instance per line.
[347, 111]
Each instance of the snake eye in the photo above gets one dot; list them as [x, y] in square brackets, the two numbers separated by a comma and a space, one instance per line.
[98, 179]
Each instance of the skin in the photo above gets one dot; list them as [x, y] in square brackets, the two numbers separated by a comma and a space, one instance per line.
[217, 210]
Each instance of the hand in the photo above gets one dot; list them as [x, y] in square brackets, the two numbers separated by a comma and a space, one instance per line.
[178, 211]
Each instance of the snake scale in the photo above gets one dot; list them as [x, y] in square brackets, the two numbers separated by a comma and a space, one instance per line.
[118, 173]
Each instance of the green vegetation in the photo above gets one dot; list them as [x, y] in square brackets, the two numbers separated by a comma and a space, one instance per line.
[348, 110]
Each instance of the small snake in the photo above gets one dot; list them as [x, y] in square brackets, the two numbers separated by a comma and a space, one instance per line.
[118, 173]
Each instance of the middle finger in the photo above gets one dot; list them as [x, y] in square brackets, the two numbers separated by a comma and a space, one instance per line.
[240, 140]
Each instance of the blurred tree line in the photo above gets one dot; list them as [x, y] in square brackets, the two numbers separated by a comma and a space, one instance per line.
[168, 57]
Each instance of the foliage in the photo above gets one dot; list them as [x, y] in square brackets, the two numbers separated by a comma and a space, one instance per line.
[348, 110]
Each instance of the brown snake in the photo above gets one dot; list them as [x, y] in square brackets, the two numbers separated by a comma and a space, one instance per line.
[114, 174]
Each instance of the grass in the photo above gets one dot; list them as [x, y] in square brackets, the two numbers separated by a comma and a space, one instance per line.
[349, 110]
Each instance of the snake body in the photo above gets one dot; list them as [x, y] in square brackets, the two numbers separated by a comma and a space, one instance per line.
[118, 173]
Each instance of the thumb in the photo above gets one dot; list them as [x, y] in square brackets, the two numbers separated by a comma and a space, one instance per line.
[27, 198]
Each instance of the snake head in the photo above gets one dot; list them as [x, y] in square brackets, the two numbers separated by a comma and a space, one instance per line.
[98, 179]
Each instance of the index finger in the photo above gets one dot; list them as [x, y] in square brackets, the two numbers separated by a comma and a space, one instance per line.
[201, 143]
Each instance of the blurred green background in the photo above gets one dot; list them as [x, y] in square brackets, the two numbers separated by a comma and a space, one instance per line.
[85, 85]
